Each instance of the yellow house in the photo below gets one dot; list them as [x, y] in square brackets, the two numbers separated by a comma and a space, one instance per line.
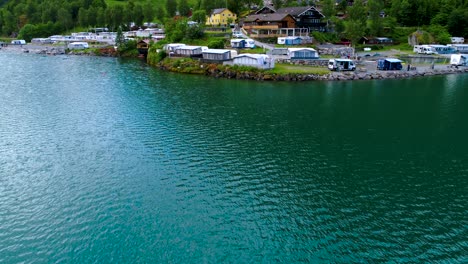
[221, 16]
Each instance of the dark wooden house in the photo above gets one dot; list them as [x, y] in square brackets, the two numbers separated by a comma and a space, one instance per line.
[268, 24]
[306, 17]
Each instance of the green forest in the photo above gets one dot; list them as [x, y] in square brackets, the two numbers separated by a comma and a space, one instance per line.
[42, 18]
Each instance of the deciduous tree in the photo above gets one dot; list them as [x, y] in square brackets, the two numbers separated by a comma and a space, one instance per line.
[199, 16]
[375, 20]
[171, 7]
[183, 7]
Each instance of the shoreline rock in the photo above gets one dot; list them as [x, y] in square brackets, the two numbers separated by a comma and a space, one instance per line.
[218, 71]
[229, 73]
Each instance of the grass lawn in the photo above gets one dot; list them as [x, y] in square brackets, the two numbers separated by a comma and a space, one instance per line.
[254, 51]
[300, 69]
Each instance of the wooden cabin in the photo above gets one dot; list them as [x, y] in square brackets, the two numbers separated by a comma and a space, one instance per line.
[143, 46]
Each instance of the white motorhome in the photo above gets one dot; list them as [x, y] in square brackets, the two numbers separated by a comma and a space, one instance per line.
[341, 65]
[78, 45]
[424, 49]
[459, 60]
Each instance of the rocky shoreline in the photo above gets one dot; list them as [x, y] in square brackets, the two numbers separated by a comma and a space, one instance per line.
[219, 71]
[229, 73]
[101, 51]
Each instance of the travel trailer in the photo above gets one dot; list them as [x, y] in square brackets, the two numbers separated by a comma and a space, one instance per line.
[250, 43]
[78, 45]
[457, 40]
[18, 42]
[341, 65]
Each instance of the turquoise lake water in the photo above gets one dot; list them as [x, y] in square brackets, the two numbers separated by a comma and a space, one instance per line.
[111, 161]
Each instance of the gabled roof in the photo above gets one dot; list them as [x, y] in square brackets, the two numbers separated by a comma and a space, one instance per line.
[296, 11]
[275, 17]
[267, 9]
[218, 11]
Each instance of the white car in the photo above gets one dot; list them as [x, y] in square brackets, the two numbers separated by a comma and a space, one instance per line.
[237, 35]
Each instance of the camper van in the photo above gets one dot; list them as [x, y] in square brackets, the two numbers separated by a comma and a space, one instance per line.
[424, 49]
[459, 60]
[341, 65]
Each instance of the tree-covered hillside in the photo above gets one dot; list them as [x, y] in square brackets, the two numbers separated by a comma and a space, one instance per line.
[40, 18]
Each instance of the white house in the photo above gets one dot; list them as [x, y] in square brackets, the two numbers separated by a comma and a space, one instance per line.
[260, 61]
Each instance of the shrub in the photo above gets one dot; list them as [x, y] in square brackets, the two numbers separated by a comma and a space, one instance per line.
[322, 37]
[216, 44]
[155, 56]
[161, 55]
[128, 48]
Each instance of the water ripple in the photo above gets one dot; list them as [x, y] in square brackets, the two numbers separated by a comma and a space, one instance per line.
[106, 160]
